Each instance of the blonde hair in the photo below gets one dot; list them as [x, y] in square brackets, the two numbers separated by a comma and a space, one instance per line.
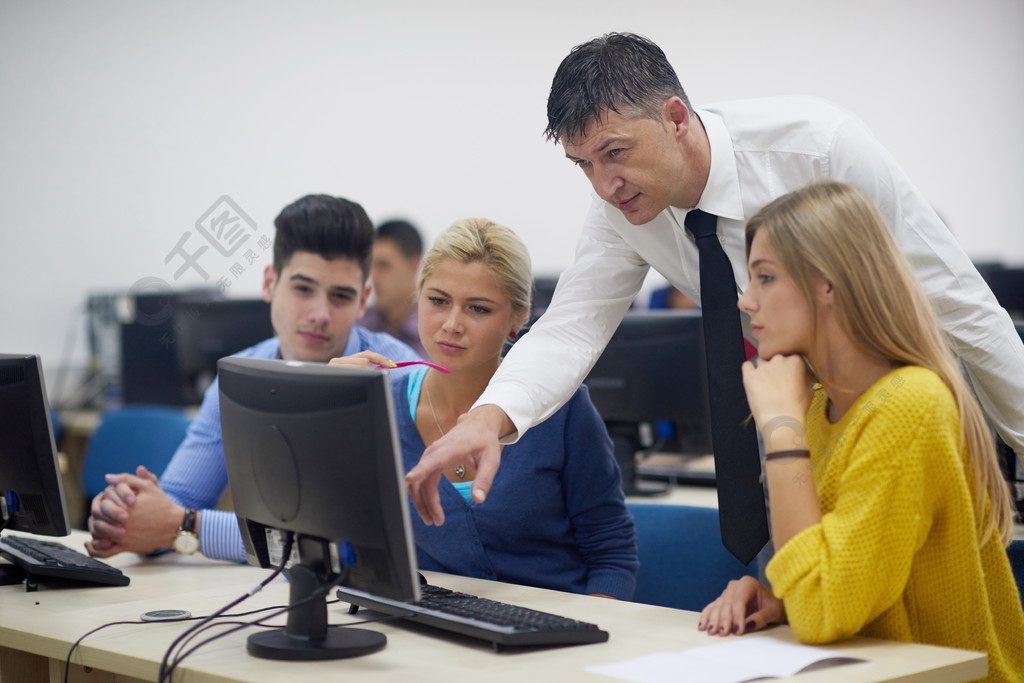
[832, 229]
[480, 239]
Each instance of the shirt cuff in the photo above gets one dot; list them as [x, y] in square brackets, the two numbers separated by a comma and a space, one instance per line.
[219, 536]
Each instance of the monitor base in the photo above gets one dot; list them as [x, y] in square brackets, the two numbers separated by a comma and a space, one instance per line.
[340, 643]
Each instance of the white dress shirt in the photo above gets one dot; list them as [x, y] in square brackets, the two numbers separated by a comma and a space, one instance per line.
[760, 150]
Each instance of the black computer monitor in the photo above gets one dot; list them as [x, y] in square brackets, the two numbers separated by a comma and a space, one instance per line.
[150, 331]
[312, 449]
[1007, 284]
[653, 371]
[210, 330]
[31, 492]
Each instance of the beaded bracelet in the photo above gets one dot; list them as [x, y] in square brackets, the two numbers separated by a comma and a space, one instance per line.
[787, 454]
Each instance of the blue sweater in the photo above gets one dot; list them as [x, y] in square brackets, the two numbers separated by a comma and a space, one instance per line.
[554, 518]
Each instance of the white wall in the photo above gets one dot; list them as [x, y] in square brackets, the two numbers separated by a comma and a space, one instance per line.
[123, 121]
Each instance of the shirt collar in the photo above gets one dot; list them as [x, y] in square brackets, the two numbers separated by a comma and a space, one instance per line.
[721, 195]
[352, 347]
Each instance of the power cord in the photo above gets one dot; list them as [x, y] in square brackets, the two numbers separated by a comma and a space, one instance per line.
[238, 626]
[164, 673]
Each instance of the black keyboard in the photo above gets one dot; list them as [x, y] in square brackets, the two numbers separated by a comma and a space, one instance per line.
[40, 559]
[500, 623]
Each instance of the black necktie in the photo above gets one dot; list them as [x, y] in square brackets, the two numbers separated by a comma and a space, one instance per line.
[741, 509]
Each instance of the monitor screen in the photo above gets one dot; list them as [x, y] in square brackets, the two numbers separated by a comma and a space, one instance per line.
[32, 497]
[210, 330]
[312, 449]
[650, 382]
[150, 334]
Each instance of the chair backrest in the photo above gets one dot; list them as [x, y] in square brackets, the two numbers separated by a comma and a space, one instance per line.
[1016, 553]
[130, 436]
[683, 563]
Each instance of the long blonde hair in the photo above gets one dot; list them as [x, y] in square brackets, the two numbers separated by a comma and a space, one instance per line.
[834, 230]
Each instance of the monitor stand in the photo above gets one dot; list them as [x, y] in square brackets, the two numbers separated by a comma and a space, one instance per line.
[625, 444]
[306, 636]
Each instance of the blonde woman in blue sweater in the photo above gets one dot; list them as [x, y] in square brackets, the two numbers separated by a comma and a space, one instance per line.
[555, 516]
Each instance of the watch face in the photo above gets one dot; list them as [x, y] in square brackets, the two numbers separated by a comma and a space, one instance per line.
[186, 543]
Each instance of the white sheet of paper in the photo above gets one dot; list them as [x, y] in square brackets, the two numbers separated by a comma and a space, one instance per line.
[739, 660]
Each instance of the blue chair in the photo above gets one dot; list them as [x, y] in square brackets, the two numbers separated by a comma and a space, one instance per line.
[129, 436]
[1016, 553]
[683, 563]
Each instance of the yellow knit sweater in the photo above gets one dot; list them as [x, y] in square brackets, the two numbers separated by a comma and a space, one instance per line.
[896, 554]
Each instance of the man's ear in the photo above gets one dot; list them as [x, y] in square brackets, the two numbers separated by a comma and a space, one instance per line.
[676, 114]
[269, 280]
[364, 298]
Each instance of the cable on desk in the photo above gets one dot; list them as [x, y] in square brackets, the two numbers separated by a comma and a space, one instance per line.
[74, 646]
[315, 595]
[164, 673]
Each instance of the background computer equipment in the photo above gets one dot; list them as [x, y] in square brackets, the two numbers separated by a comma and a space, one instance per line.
[1007, 283]
[30, 482]
[1012, 465]
[216, 329]
[171, 342]
[312, 449]
[543, 291]
[652, 372]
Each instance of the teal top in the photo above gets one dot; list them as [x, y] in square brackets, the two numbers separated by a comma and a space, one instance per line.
[412, 393]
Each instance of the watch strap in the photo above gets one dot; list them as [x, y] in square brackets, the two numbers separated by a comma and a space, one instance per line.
[188, 521]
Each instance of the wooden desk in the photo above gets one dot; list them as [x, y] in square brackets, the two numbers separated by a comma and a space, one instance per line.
[37, 629]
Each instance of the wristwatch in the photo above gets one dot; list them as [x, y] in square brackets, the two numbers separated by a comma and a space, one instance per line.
[186, 541]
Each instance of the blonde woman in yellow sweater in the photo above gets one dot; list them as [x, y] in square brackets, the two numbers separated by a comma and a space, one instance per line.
[889, 514]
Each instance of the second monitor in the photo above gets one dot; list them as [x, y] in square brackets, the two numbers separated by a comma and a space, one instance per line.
[650, 387]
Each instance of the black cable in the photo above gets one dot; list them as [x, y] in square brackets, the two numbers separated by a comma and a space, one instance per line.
[74, 646]
[67, 660]
[315, 595]
[164, 673]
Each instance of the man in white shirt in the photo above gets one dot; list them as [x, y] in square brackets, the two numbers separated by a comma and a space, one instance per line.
[619, 112]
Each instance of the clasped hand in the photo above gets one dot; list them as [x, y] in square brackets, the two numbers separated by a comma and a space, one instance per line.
[132, 514]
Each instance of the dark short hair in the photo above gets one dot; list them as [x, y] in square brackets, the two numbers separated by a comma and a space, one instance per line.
[405, 236]
[330, 227]
[621, 72]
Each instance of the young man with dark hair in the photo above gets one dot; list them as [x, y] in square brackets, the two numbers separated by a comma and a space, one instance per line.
[317, 289]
